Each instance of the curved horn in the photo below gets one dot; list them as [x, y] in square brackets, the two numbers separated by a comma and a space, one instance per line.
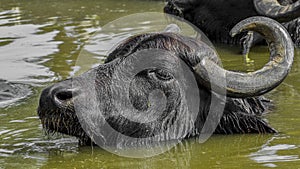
[261, 81]
[273, 9]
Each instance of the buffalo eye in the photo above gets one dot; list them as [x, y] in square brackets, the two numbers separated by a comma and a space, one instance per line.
[161, 74]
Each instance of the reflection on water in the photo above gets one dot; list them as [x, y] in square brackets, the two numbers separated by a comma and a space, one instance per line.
[40, 43]
[268, 154]
[12, 92]
[23, 47]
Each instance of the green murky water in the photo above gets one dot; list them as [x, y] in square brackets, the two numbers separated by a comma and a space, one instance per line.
[39, 44]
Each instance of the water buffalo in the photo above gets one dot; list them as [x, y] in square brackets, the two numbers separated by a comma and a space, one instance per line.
[243, 105]
[217, 17]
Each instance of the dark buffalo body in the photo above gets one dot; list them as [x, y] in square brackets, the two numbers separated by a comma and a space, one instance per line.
[217, 17]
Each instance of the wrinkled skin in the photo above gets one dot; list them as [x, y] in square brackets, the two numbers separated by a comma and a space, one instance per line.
[217, 17]
[56, 107]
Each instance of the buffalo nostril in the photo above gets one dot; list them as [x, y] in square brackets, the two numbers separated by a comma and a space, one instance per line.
[64, 95]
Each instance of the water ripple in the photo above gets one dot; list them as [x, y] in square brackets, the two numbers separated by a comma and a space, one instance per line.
[269, 154]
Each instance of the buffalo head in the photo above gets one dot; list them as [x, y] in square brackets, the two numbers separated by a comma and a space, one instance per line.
[57, 109]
